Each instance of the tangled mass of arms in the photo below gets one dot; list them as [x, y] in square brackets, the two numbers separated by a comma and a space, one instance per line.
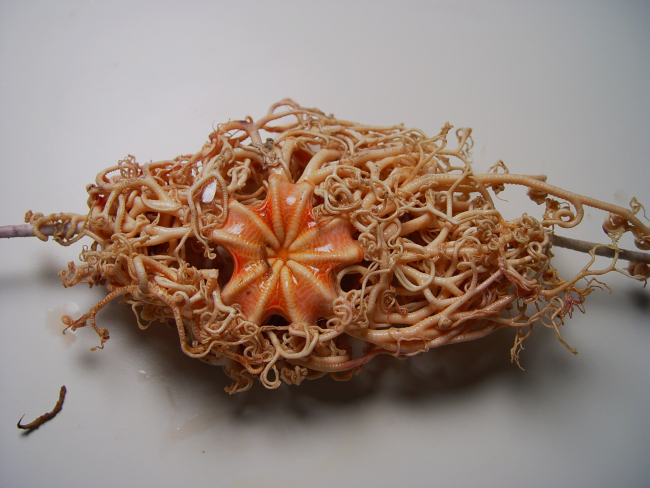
[310, 252]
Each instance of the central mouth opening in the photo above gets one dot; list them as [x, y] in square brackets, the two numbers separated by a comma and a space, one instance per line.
[282, 254]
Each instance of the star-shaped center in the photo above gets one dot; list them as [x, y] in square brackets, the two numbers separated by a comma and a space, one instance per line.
[285, 263]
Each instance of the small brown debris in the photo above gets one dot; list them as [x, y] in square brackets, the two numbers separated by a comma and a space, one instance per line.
[35, 424]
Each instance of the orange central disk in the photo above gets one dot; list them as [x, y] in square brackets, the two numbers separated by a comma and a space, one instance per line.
[284, 262]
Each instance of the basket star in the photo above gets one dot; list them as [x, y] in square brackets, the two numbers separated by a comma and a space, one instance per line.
[285, 262]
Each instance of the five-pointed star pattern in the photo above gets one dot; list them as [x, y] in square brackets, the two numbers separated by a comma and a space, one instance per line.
[284, 262]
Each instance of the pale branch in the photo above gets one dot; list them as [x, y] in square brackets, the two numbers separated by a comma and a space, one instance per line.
[599, 249]
[26, 230]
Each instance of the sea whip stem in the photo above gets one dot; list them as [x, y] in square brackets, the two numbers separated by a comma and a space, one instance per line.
[608, 252]
[26, 230]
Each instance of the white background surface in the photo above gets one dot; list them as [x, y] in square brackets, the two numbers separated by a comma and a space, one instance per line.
[556, 88]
